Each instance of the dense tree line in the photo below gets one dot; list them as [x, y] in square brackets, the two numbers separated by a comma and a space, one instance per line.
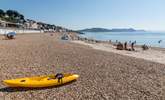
[11, 16]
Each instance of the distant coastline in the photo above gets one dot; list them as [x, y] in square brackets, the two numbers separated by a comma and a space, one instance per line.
[155, 39]
[110, 30]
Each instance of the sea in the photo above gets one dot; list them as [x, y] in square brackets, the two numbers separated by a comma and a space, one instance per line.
[154, 39]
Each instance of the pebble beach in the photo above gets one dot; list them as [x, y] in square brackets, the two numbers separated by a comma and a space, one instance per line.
[103, 75]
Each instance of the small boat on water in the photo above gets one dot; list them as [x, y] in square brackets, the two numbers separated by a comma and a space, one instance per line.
[40, 81]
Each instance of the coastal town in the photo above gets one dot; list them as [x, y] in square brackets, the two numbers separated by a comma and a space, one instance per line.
[12, 19]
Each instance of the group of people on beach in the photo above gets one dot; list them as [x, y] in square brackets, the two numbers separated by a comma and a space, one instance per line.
[132, 46]
[118, 44]
[124, 46]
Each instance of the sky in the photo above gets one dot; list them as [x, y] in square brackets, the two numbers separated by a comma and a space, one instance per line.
[80, 14]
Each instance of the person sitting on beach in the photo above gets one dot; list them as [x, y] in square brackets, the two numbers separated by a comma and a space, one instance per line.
[145, 47]
[119, 46]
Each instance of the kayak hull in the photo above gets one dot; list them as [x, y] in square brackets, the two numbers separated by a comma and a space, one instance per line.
[40, 81]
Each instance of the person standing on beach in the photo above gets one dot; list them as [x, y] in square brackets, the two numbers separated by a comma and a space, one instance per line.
[135, 41]
[132, 46]
[159, 41]
[125, 46]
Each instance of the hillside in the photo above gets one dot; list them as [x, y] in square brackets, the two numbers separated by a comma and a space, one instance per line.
[109, 30]
[14, 19]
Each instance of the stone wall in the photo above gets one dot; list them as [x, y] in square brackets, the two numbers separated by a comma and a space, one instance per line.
[6, 30]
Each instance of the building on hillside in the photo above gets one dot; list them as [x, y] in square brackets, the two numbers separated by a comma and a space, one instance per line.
[2, 23]
[9, 24]
[40, 25]
[31, 24]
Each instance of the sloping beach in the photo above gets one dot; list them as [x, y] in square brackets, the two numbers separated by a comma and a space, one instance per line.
[154, 54]
[103, 75]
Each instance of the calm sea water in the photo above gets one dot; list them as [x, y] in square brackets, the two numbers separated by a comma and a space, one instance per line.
[148, 38]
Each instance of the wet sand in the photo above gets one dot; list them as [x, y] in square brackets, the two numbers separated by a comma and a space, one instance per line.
[103, 75]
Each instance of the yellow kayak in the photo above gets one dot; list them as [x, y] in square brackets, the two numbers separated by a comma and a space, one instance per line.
[40, 81]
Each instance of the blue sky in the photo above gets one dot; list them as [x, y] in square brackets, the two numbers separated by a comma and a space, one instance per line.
[79, 14]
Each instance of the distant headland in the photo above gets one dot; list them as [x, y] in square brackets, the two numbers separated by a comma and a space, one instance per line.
[110, 30]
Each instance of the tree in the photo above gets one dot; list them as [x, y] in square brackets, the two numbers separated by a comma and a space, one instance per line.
[2, 13]
[14, 16]
[21, 19]
[12, 13]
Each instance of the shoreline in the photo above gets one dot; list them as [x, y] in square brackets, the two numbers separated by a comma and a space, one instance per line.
[154, 54]
[150, 41]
